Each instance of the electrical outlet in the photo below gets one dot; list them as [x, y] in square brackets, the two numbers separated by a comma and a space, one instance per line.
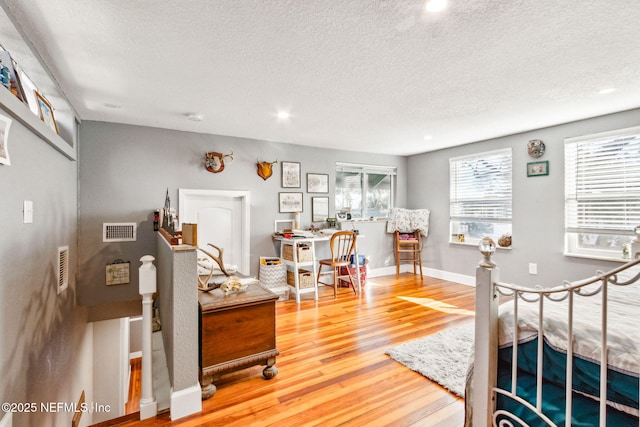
[533, 268]
[27, 212]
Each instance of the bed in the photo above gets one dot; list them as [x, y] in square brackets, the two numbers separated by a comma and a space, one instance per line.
[530, 376]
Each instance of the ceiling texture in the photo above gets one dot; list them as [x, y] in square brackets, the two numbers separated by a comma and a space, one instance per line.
[364, 75]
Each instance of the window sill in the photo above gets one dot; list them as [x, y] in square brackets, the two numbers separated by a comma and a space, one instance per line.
[475, 245]
[597, 257]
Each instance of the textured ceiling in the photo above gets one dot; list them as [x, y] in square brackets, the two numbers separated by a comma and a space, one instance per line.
[364, 75]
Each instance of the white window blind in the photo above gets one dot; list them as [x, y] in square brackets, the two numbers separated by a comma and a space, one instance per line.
[602, 188]
[480, 195]
[481, 186]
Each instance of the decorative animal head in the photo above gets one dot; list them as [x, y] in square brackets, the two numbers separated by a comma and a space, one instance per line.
[214, 162]
[265, 169]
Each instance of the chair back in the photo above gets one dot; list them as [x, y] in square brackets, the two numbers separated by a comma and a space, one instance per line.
[343, 244]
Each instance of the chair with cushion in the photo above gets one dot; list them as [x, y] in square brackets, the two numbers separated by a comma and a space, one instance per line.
[343, 244]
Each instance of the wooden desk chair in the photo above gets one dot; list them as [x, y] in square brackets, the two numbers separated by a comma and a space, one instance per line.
[408, 248]
[343, 244]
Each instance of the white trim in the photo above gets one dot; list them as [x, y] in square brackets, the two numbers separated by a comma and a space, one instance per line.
[462, 279]
[186, 402]
[603, 135]
[245, 198]
[135, 355]
[482, 154]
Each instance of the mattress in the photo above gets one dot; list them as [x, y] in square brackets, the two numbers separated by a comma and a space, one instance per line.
[623, 344]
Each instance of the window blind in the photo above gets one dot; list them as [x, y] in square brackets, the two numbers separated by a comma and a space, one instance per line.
[480, 186]
[602, 182]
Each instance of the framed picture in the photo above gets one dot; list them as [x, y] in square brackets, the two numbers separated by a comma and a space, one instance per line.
[319, 209]
[5, 124]
[290, 175]
[317, 183]
[46, 112]
[29, 89]
[538, 168]
[290, 202]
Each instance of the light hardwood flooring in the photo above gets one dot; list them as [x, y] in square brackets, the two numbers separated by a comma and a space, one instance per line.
[332, 366]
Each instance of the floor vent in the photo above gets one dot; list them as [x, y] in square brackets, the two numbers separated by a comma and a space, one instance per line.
[63, 268]
[119, 232]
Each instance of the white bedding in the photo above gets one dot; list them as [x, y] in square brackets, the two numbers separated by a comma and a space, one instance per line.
[623, 330]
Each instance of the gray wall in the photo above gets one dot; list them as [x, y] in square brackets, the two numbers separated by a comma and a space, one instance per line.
[125, 171]
[42, 334]
[538, 206]
[178, 304]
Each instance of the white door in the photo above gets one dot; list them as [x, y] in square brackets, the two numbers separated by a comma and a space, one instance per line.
[223, 220]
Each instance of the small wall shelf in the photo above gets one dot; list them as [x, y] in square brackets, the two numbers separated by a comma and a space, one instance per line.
[21, 112]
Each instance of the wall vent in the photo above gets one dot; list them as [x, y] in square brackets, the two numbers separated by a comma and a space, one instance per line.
[63, 268]
[119, 232]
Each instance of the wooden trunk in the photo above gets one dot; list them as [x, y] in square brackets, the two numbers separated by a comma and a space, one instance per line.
[236, 331]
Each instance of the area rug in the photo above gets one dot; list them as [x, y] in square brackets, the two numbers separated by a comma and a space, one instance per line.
[442, 357]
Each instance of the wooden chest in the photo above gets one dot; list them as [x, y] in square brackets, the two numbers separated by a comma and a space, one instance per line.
[236, 331]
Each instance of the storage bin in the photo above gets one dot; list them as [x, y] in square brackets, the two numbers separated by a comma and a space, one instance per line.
[305, 252]
[345, 283]
[305, 279]
[272, 275]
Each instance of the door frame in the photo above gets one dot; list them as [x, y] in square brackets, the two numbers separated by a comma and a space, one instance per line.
[184, 194]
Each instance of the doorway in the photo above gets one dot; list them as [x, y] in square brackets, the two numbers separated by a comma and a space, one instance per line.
[223, 220]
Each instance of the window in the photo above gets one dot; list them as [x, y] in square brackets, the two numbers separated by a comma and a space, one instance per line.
[480, 196]
[602, 192]
[364, 191]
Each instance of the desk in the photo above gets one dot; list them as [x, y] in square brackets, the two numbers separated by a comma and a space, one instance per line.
[295, 265]
[236, 331]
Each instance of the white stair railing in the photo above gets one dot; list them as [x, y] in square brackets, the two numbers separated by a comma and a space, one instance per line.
[147, 287]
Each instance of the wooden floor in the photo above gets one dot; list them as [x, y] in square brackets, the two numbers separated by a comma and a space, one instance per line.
[332, 366]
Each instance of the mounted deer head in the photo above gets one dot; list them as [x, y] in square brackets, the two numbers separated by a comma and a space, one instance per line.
[214, 162]
[265, 169]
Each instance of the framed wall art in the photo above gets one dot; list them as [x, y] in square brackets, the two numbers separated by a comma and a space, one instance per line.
[538, 168]
[5, 124]
[290, 202]
[317, 183]
[290, 175]
[46, 112]
[319, 209]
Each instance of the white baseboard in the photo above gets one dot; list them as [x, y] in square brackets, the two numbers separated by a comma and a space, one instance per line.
[431, 272]
[463, 279]
[186, 402]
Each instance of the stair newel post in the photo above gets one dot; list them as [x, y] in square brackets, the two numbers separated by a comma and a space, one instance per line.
[147, 287]
[635, 244]
[486, 336]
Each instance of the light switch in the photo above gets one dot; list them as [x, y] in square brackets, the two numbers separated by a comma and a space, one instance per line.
[27, 212]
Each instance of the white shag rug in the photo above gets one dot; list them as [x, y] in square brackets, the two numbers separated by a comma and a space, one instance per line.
[443, 357]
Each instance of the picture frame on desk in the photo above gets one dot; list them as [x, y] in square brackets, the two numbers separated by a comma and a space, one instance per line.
[319, 209]
[46, 112]
[290, 202]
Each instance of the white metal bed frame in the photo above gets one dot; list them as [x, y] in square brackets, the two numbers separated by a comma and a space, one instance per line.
[488, 289]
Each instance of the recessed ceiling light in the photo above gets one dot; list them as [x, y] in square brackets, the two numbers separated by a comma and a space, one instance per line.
[435, 5]
[195, 117]
[428, 137]
[283, 115]
[606, 91]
